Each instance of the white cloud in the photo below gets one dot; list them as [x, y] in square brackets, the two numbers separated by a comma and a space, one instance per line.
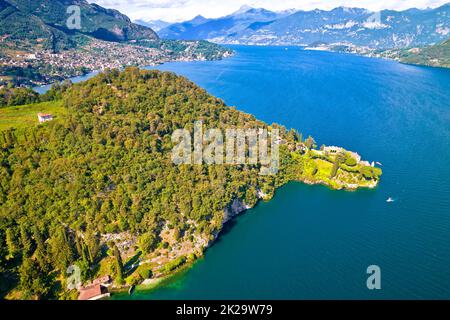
[178, 10]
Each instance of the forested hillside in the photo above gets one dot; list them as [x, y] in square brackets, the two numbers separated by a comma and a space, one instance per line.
[67, 187]
[436, 56]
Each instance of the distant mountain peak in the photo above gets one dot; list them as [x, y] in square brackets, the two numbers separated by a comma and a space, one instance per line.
[155, 25]
[199, 18]
[243, 9]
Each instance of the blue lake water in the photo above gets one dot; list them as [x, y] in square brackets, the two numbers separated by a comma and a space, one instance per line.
[313, 243]
[44, 89]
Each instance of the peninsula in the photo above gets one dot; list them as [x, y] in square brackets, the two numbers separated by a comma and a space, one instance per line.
[95, 186]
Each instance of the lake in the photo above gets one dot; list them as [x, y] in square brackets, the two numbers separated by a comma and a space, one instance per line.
[310, 242]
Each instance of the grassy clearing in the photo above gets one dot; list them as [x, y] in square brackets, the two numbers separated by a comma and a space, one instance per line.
[19, 117]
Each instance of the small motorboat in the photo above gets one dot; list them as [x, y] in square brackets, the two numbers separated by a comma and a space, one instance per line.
[390, 200]
[131, 290]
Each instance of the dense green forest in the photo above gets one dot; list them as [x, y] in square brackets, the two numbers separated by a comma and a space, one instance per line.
[10, 96]
[436, 56]
[106, 168]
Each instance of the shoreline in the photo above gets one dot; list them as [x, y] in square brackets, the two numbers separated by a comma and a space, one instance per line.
[316, 170]
[151, 284]
[331, 50]
[46, 86]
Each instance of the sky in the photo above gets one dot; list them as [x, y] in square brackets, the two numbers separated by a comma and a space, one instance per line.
[181, 10]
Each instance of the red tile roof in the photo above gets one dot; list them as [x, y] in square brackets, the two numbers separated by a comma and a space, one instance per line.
[89, 292]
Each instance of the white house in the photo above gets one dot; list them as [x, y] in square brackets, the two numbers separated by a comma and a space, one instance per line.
[44, 117]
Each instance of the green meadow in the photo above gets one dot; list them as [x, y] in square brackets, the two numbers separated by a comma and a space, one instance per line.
[19, 117]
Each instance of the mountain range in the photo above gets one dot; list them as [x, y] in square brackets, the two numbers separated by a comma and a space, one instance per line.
[203, 28]
[381, 30]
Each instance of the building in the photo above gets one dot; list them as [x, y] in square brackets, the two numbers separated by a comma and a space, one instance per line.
[93, 292]
[336, 150]
[105, 281]
[333, 149]
[44, 117]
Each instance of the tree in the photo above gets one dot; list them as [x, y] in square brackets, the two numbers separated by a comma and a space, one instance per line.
[11, 244]
[25, 241]
[17, 96]
[147, 242]
[61, 250]
[118, 265]
[350, 161]
[340, 158]
[3, 257]
[33, 280]
[41, 253]
[335, 169]
[310, 142]
[92, 242]
[177, 234]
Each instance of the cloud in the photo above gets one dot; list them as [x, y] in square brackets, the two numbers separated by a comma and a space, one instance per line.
[178, 10]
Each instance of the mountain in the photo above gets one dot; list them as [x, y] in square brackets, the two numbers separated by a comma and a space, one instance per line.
[96, 21]
[202, 28]
[32, 25]
[37, 45]
[27, 31]
[182, 30]
[386, 29]
[155, 25]
[435, 56]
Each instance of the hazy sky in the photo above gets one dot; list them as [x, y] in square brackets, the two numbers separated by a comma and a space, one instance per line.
[178, 10]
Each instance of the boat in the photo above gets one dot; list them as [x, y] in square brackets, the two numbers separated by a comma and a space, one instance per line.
[390, 200]
[131, 290]
[379, 163]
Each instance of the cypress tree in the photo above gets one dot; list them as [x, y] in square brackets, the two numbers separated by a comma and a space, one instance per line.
[118, 265]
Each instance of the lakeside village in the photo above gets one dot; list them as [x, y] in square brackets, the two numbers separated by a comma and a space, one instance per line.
[97, 55]
[48, 67]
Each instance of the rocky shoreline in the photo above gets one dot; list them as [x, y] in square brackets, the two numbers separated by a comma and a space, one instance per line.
[234, 209]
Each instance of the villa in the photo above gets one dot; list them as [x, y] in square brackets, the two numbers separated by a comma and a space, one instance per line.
[335, 150]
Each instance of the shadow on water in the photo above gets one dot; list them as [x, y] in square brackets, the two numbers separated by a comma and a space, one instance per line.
[228, 226]
[225, 230]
